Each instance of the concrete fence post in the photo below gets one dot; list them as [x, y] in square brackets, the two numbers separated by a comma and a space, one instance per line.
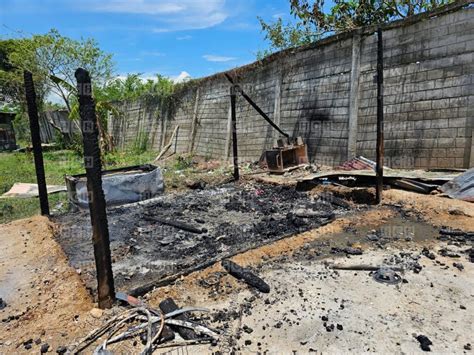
[354, 97]
[192, 133]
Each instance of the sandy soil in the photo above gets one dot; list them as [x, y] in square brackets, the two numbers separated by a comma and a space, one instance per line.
[47, 301]
[380, 318]
[436, 209]
[44, 295]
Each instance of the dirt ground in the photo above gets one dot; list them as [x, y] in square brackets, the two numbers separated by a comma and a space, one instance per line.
[47, 302]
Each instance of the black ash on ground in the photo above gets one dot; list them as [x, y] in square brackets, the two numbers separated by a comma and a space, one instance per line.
[232, 218]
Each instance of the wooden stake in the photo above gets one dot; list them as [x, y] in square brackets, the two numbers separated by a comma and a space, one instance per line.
[380, 138]
[234, 132]
[36, 141]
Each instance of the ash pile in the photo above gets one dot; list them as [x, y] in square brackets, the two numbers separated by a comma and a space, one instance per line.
[155, 242]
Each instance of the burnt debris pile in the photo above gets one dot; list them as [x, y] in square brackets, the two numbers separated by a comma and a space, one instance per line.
[175, 234]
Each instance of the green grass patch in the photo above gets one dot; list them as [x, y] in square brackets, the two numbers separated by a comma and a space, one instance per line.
[19, 167]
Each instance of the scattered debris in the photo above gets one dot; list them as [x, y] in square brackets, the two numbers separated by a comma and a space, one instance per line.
[363, 267]
[177, 224]
[132, 301]
[387, 275]
[3, 304]
[428, 254]
[459, 266]
[28, 344]
[425, 342]
[243, 274]
[96, 312]
[141, 321]
[168, 306]
[457, 211]
[353, 251]
[196, 185]
[44, 348]
[448, 253]
[24, 190]
[61, 349]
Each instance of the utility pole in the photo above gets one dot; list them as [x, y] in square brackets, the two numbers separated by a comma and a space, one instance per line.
[36, 141]
[380, 139]
[97, 206]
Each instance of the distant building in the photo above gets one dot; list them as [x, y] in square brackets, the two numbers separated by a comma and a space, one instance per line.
[7, 134]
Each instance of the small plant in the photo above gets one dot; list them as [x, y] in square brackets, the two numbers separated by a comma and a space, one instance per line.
[141, 143]
[183, 163]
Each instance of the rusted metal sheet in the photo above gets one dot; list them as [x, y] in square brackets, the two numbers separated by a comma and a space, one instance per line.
[357, 163]
[461, 187]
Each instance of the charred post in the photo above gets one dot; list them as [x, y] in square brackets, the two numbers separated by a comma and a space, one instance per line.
[233, 89]
[258, 109]
[380, 138]
[97, 207]
[36, 141]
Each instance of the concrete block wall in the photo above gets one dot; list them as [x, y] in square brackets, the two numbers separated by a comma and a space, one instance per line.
[326, 93]
[315, 99]
[139, 121]
[428, 83]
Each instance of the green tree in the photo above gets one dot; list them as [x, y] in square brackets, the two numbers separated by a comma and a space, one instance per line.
[313, 21]
[156, 90]
[13, 51]
[282, 36]
[53, 59]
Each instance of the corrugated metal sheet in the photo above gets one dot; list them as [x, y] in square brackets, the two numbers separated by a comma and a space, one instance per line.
[461, 187]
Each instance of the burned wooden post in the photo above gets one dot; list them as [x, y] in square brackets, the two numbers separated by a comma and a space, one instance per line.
[36, 141]
[233, 89]
[380, 142]
[97, 207]
[255, 106]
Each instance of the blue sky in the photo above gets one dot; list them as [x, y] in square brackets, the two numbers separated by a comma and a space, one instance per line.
[200, 37]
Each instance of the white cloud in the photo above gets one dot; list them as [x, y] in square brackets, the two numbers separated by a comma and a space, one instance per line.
[151, 75]
[184, 38]
[182, 77]
[217, 58]
[170, 15]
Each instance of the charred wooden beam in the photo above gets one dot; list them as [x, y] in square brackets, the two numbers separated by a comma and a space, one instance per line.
[168, 306]
[380, 137]
[246, 275]
[36, 141]
[176, 224]
[234, 132]
[97, 206]
[255, 106]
